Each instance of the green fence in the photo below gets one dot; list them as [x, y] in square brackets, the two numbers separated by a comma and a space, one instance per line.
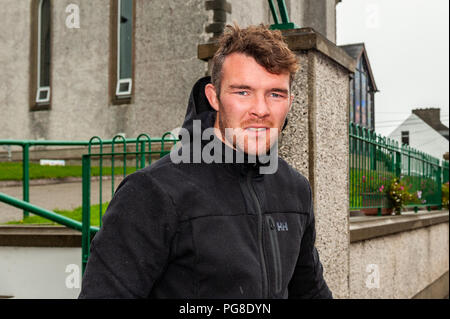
[445, 172]
[126, 152]
[27, 145]
[129, 154]
[376, 160]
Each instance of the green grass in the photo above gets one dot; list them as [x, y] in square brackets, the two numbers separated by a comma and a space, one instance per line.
[13, 171]
[75, 214]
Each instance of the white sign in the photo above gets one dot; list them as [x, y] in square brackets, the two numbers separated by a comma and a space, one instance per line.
[52, 162]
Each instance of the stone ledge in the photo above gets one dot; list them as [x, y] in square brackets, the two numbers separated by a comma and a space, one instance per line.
[363, 228]
[39, 236]
[297, 40]
[436, 290]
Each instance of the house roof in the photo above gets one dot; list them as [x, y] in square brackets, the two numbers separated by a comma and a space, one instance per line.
[356, 50]
[427, 139]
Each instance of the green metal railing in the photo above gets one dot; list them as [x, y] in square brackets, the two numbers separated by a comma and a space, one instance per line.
[26, 145]
[375, 160]
[142, 155]
[63, 220]
[445, 172]
[285, 24]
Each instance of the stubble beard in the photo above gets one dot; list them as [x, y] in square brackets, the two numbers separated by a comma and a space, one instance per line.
[238, 133]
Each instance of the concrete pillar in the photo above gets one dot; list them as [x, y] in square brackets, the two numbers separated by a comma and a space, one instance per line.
[316, 141]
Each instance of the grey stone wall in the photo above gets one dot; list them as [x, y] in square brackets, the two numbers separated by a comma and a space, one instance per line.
[14, 118]
[294, 143]
[315, 142]
[317, 14]
[248, 12]
[407, 262]
[331, 170]
[166, 66]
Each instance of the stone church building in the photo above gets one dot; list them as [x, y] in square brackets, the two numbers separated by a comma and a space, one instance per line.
[72, 69]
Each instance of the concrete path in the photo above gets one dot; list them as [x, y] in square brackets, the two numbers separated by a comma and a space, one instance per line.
[54, 196]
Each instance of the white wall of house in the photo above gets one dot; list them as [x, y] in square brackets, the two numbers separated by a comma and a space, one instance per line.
[422, 136]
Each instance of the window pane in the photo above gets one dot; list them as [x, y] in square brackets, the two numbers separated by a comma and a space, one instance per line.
[352, 105]
[125, 36]
[357, 97]
[405, 137]
[44, 45]
[369, 111]
[372, 108]
[363, 100]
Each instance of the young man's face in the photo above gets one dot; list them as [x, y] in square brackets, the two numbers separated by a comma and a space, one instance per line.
[253, 103]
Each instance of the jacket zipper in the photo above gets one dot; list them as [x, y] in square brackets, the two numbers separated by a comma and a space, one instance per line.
[276, 253]
[260, 230]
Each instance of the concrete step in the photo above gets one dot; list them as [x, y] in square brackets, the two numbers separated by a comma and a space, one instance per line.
[39, 236]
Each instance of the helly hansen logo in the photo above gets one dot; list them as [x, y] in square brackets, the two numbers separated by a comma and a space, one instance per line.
[282, 226]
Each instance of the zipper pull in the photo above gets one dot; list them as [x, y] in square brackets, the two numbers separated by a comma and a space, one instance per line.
[271, 223]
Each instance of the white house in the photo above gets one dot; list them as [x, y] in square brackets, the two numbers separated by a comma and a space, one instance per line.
[423, 131]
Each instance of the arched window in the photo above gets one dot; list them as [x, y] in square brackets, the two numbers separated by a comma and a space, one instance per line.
[40, 75]
[362, 96]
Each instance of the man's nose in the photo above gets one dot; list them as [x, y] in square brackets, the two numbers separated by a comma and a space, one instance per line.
[260, 108]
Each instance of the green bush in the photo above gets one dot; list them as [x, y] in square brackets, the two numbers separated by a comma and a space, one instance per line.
[399, 195]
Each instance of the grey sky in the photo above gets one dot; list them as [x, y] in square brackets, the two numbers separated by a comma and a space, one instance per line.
[408, 47]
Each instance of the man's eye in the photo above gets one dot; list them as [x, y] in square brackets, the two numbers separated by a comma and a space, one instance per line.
[276, 95]
[244, 93]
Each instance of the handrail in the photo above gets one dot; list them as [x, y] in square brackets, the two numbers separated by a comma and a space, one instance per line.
[26, 144]
[60, 219]
[84, 227]
[69, 143]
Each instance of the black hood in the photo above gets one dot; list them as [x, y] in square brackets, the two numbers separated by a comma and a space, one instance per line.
[198, 106]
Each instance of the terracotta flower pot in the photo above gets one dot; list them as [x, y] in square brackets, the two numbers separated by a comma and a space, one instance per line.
[375, 199]
[374, 211]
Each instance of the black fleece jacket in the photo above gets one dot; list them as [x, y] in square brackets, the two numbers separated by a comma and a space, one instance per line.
[207, 231]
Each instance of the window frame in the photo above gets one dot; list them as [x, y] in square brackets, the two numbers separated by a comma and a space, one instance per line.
[402, 136]
[35, 87]
[114, 80]
[360, 96]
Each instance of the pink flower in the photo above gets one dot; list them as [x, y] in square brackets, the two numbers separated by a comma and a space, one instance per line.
[402, 188]
[363, 179]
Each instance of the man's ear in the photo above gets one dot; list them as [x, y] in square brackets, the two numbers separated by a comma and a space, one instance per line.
[210, 92]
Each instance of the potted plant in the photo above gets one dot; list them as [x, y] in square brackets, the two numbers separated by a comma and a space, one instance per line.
[399, 195]
[373, 195]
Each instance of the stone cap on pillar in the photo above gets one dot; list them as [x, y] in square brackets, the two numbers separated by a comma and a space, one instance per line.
[302, 39]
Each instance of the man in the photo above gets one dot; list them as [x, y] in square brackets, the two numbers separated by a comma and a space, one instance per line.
[221, 229]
